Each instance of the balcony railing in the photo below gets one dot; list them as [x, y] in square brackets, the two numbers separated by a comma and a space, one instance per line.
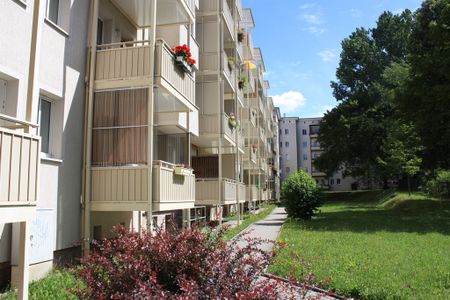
[230, 72]
[120, 61]
[209, 124]
[171, 190]
[228, 18]
[118, 64]
[250, 154]
[252, 193]
[19, 163]
[242, 192]
[207, 191]
[166, 68]
[126, 188]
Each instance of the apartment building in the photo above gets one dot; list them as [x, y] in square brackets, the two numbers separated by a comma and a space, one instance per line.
[42, 91]
[302, 133]
[288, 145]
[140, 113]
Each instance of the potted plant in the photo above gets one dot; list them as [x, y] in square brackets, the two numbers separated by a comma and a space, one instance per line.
[254, 148]
[232, 122]
[242, 82]
[183, 58]
[182, 170]
[231, 62]
[240, 35]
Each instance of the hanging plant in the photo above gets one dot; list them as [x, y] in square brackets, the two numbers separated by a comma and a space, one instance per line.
[232, 121]
[231, 63]
[183, 58]
[241, 35]
[242, 82]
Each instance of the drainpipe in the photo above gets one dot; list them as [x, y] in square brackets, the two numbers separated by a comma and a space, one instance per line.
[86, 192]
[221, 107]
[238, 115]
[150, 111]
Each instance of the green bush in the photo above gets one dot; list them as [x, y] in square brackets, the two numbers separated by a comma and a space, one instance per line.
[300, 195]
[439, 186]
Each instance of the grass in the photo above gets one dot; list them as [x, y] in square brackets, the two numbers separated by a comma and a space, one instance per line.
[372, 246]
[55, 286]
[248, 219]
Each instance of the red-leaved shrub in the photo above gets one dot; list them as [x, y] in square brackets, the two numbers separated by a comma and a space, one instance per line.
[191, 264]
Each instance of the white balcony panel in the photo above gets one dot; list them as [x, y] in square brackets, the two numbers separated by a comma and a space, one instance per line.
[207, 191]
[209, 125]
[178, 83]
[119, 188]
[170, 191]
[252, 193]
[115, 62]
[228, 17]
[242, 193]
[19, 160]
[171, 122]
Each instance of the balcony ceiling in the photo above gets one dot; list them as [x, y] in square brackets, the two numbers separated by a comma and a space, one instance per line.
[168, 11]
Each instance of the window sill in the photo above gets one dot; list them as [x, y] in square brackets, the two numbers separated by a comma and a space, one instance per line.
[56, 27]
[51, 160]
[22, 3]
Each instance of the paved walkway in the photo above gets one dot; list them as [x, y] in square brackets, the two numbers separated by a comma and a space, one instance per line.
[268, 229]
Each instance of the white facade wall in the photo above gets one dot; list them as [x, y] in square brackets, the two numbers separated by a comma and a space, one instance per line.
[288, 146]
[60, 75]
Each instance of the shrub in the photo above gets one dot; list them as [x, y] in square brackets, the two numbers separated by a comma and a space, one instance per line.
[175, 265]
[300, 195]
[439, 186]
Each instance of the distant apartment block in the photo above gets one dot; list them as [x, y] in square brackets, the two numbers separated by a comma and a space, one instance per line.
[299, 148]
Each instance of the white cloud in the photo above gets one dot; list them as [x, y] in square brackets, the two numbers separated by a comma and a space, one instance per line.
[356, 13]
[312, 18]
[327, 55]
[324, 109]
[289, 101]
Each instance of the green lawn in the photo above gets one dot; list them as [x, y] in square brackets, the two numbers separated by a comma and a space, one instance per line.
[53, 287]
[374, 247]
[247, 221]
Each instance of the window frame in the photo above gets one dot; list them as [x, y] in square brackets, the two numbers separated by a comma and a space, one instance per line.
[58, 12]
[47, 153]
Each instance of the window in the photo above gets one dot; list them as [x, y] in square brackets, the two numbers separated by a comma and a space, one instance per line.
[53, 11]
[286, 131]
[338, 181]
[286, 144]
[45, 110]
[305, 156]
[305, 144]
[99, 32]
[304, 132]
[287, 156]
[288, 170]
[314, 129]
[281, 144]
[280, 131]
[332, 181]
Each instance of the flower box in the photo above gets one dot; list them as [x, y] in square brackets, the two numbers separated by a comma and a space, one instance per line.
[182, 171]
[183, 64]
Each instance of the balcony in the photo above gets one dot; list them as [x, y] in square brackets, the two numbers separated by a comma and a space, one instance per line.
[228, 17]
[256, 103]
[250, 155]
[125, 188]
[242, 192]
[252, 193]
[172, 188]
[207, 191]
[229, 70]
[126, 65]
[209, 125]
[168, 11]
[19, 167]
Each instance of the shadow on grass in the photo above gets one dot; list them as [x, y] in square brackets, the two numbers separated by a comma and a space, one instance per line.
[415, 216]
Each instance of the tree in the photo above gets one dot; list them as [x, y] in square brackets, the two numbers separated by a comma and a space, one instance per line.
[426, 102]
[300, 195]
[353, 133]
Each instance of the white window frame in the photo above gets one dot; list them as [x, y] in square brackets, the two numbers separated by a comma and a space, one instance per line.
[58, 17]
[50, 129]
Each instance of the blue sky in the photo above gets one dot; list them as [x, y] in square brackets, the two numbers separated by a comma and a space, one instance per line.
[300, 42]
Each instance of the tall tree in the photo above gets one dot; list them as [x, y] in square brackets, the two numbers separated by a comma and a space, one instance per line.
[426, 102]
[353, 133]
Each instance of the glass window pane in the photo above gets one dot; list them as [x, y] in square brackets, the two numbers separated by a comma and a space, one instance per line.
[53, 10]
[44, 125]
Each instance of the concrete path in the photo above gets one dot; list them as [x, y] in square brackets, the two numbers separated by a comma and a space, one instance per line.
[268, 229]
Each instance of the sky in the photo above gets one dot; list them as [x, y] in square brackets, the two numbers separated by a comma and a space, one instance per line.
[301, 43]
